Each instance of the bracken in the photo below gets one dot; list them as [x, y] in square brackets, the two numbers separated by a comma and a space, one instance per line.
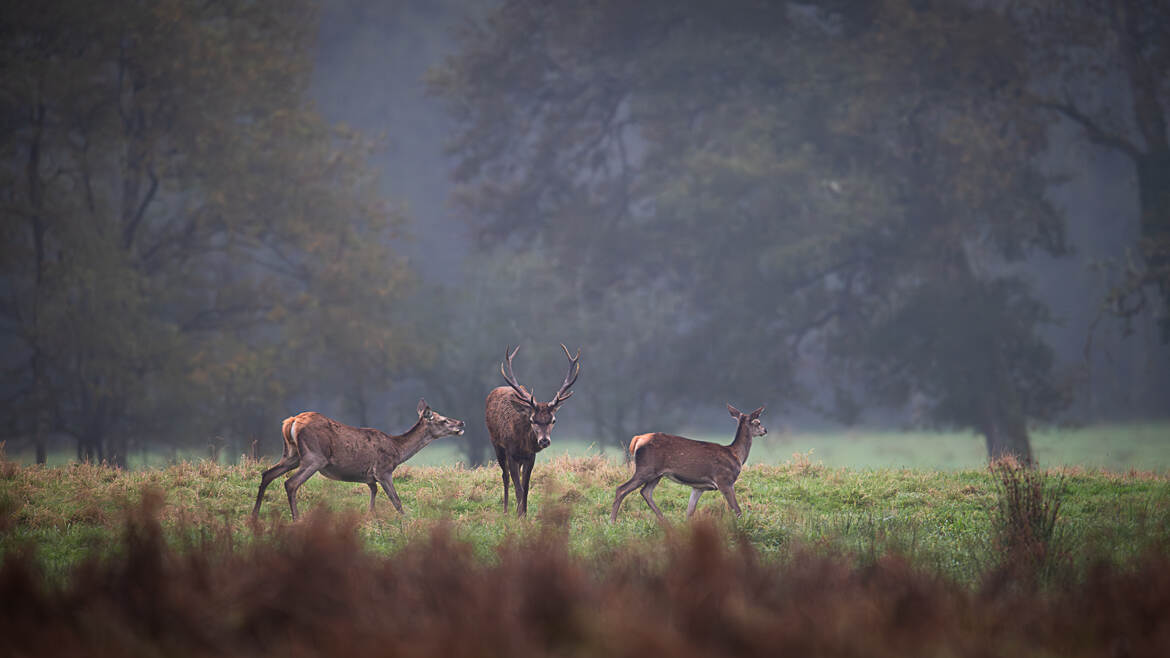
[312, 589]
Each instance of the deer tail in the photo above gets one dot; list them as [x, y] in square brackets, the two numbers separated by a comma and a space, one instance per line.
[638, 441]
[288, 429]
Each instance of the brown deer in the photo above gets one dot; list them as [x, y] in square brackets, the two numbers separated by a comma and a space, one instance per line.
[520, 426]
[351, 454]
[700, 465]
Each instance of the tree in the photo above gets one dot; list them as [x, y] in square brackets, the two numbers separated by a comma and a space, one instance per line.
[182, 231]
[1105, 67]
[821, 182]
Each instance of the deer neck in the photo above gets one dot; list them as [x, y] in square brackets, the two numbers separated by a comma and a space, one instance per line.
[742, 444]
[415, 439]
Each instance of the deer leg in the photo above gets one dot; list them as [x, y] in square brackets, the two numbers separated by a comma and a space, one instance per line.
[514, 471]
[623, 490]
[525, 474]
[286, 464]
[373, 494]
[502, 458]
[310, 464]
[388, 485]
[648, 494]
[728, 492]
[695, 493]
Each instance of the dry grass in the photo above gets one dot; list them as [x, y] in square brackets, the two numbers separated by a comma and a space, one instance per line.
[1024, 522]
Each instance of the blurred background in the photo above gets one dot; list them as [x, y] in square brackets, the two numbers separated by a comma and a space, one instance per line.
[921, 233]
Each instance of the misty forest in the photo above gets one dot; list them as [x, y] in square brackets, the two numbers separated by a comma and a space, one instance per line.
[901, 214]
[906, 228]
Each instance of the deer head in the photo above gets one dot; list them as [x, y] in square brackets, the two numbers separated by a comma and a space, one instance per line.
[437, 425]
[755, 427]
[541, 415]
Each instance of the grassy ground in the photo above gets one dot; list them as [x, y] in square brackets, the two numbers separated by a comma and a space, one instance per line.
[826, 560]
[940, 520]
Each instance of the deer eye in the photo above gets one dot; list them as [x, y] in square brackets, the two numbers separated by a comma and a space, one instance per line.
[427, 414]
[756, 421]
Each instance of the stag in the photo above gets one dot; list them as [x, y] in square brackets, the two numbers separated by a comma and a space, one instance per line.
[520, 426]
[700, 465]
[317, 443]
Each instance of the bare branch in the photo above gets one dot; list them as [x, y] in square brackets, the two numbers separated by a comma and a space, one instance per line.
[1095, 133]
[132, 226]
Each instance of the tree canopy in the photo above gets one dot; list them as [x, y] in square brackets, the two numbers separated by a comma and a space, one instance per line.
[1105, 68]
[186, 242]
[827, 179]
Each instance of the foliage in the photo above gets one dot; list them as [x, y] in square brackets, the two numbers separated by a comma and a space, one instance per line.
[812, 180]
[185, 239]
[694, 593]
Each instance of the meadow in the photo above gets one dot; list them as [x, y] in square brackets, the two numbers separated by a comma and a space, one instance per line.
[940, 520]
[923, 558]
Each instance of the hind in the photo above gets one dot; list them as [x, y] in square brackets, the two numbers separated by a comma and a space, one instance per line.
[290, 459]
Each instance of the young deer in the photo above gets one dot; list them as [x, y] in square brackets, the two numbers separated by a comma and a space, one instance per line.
[520, 426]
[351, 454]
[700, 465]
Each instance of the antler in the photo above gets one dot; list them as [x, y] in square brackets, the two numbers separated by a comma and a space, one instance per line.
[506, 371]
[570, 377]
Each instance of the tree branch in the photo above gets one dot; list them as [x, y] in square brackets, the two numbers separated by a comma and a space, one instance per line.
[132, 227]
[1096, 134]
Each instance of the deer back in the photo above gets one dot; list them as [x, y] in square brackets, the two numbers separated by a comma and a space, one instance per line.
[350, 451]
[507, 425]
[688, 459]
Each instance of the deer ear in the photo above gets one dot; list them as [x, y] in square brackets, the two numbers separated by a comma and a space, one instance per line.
[422, 407]
[757, 413]
[521, 406]
[735, 413]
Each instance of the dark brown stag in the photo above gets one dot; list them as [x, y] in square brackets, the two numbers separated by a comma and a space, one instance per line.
[351, 454]
[700, 465]
[520, 426]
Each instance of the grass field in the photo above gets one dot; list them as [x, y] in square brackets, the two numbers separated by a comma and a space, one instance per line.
[824, 561]
[939, 519]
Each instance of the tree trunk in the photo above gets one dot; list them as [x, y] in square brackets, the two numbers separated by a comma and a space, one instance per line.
[1006, 434]
[119, 452]
[36, 201]
[90, 446]
[475, 452]
[40, 397]
[1153, 163]
[1153, 174]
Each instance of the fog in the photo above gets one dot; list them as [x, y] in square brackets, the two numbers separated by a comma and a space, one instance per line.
[885, 217]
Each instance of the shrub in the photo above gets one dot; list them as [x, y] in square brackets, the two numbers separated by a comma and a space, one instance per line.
[1024, 521]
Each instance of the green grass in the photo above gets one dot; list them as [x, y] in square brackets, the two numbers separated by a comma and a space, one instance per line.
[938, 519]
